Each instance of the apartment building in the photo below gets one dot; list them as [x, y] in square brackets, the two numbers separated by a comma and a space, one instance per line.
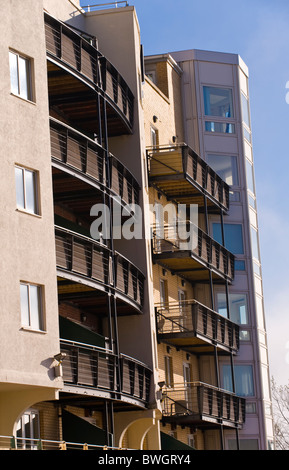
[109, 339]
[209, 301]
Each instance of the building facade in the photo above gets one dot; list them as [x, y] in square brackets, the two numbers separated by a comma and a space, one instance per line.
[127, 334]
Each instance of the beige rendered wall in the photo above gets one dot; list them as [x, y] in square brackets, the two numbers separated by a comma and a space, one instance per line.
[27, 241]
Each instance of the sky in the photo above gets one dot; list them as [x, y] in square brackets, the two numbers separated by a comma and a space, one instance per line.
[257, 30]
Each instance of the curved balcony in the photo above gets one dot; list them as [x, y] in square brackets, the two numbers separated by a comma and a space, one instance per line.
[202, 405]
[186, 178]
[84, 260]
[95, 371]
[191, 258]
[77, 71]
[193, 327]
[75, 154]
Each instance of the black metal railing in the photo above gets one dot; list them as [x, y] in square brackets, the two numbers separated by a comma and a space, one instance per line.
[96, 368]
[170, 239]
[73, 149]
[80, 54]
[191, 318]
[198, 401]
[168, 164]
[84, 256]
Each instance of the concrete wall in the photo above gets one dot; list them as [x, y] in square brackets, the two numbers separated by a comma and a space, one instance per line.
[27, 241]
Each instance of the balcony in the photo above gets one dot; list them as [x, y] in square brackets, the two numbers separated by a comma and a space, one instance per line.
[185, 178]
[194, 257]
[84, 260]
[74, 154]
[193, 327]
[202, 405]
[99, 372]
[77, 71]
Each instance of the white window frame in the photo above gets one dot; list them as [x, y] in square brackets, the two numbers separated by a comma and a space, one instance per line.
[22, 441]
[40, 314]
[28, 61]
[35, 188]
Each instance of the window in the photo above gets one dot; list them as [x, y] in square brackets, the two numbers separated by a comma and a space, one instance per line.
[245, 110]
[240, 265]
[163, 293]
[226, 167]
[20, 75]
[31, 306]
[255, 244]
[243, 375]
[250, 177]
[218, 102]
[169, 378]
[233, 237]
[26, 190]
[220, 127]
[28, 428]
[237, 307]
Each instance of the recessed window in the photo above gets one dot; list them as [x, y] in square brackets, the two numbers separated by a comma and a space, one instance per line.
[169, 377]
[20, 75]
[218, 102]
[26, 190]
[226, 167]
[233, 235]
[31, 306]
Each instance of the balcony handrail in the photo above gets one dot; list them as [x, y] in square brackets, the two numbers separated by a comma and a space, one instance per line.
[82, 237]
[179, 304]
[183, 386]
[39, 444]
[140, 272]
[154, 150]
[91, 347]
[75, 131]
[100, 6]
[125, 171]
[136, 361]
[165, 226]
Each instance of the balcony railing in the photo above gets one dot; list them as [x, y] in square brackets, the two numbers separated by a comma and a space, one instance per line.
[72, 49]
[94, 368]
[193, 256]
[74, 150]
[92, 260]
[185, 177]
[198, 403]
[190, 325]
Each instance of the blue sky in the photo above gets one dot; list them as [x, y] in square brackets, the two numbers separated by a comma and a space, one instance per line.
[257, 30]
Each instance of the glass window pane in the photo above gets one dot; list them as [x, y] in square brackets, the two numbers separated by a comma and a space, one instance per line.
[35, 307]
[245, 110]
[243, 380]
[220, 127]
[233, 237]
[20, 200]
[234, 196]
[247, 134]
[24, 304]
[237, 306]
[218, 102]
[30, 191]
[255, 244]
[226, 167]
[239, 265]
[24, 78]
[13, 73]
[250, 177]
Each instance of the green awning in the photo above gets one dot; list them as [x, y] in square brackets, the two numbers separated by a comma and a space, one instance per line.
[78, 430]
[74, 332]
[170, 443]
